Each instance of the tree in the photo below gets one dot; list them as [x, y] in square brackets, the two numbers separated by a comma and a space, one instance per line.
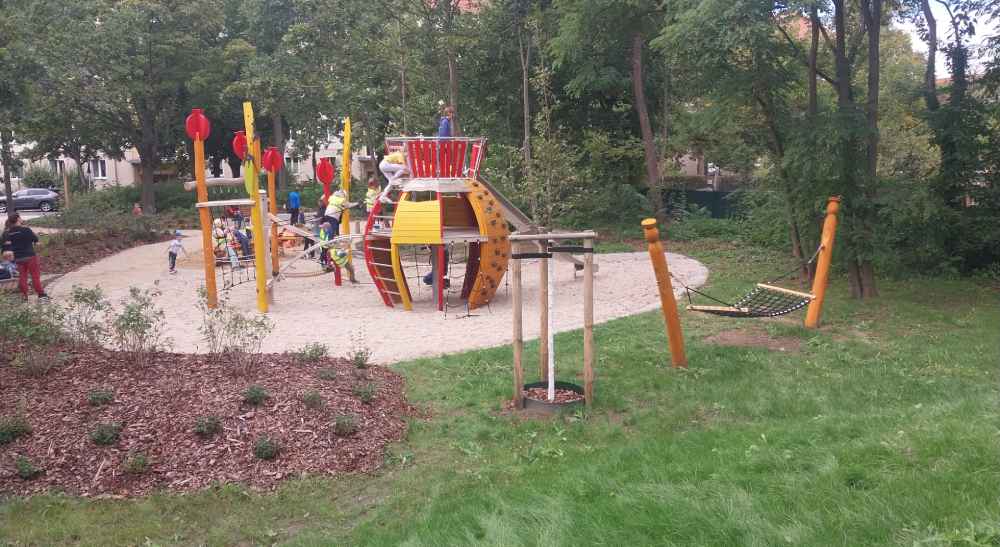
[16, 70]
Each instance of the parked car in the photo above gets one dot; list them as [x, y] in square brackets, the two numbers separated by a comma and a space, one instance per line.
[32, 198]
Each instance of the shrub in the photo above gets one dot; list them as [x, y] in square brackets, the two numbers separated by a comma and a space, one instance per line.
[106, 434]
[137, 330]
[207, 426]
[312, 399]
[99, 397]
[12, 427]
[311, 353]
[266, 448]
[82, 321]
[360, 354]
[255, 395]
[24, 323]
[366, 392]
[327, 373]
[36, 361]
[38, 176]
[345, 425]
[25, 469]
[232, 335]
[135, 463]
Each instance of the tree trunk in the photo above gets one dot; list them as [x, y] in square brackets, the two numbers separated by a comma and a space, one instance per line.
[8, 162]
[149, 159]
[315, 178]
[235, 166]
[279, 143]
[456, 130]
[930, 78]
[814, 23]
[77, 156]
[525, 53]
[873, 14]
[648, 145]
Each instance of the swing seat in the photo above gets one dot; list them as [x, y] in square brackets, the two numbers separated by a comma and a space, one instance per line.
[763, 301]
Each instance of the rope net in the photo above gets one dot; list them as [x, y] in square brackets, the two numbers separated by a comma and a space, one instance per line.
[232, 241]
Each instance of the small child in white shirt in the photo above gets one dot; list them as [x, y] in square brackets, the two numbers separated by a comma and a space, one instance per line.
[8, 269]
[175, 247]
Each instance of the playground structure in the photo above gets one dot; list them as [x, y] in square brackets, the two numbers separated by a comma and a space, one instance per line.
[546, 308]
[441, 205]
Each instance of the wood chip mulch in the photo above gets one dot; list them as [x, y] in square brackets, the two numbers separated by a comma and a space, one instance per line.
[63, 253]
[157, 404]
[562, 396]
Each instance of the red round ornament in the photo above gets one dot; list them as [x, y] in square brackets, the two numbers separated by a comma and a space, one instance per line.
[240, 144]
[197, 125]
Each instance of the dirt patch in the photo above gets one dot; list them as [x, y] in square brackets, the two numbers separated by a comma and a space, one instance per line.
[64, 252]
[157, 406]
[743, 338]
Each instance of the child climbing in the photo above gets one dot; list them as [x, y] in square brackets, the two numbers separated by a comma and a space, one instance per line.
[224, 243]
[334, 210]
[371, 195]
[393, 166]
[175, 247]
[340, 258]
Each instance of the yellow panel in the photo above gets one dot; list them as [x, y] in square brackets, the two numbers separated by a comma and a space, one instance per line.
[417, 222]
[397, 272]
[494, 254]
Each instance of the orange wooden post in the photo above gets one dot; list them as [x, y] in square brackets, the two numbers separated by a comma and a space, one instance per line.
[823, 263]
[198, 128]
[667, 301]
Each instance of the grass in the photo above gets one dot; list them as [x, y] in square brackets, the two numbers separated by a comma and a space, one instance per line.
[881, 430]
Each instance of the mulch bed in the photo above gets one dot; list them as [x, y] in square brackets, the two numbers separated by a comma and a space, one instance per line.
[63, 253]
[562, 396]
[157, 404]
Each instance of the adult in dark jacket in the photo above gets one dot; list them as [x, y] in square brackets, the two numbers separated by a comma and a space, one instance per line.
[21, 240]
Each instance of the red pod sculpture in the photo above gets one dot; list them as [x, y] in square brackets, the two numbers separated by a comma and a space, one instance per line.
[324, 172]
[240, 144]
[197, 125]
[272, 160]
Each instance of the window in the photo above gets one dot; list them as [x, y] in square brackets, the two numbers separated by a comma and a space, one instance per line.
[292, 164]
[57, 166]
[38, 192]
[99, 169]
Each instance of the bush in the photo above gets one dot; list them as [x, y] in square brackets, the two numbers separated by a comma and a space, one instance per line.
[137, 330]
[37, 361]
[13, 427]
[100, 397]
[83, 322]
[25, 469]
[207, 426]
[366, 392]
[312, 399]
[360, 354]
[38, 176]
[255, 395]
[24, 323]
[327, 373]
[135, 463]
[232, 335]
[266, 448]
[106, 434]
[345, 425]
[311, 353]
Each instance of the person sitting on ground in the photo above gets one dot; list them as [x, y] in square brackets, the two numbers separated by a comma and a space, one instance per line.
[175, 246]
[20, 240]
[8, 269]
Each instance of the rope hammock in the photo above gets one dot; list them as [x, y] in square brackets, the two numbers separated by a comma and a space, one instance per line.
[764, 300]
[234, 260]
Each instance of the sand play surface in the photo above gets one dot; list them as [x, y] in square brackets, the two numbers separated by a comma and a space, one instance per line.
[312, 309]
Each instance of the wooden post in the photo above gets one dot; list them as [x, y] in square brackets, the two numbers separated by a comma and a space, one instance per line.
[543, 319]
[588, 321]
[515, 272]
[251, 175]
[823, 263]
[551, 331]
[205, 220]
[667, 302]
[272, 207]
[66, 187]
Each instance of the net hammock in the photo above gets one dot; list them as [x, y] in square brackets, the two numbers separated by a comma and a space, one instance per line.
[764, 300]
[232, 242]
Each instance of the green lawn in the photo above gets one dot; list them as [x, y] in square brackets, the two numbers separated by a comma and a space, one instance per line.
[881, 429]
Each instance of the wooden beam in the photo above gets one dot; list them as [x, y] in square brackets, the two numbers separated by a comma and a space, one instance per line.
[789, 292]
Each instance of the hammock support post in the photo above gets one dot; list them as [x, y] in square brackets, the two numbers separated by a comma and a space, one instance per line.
[823, 263]
[667, 301]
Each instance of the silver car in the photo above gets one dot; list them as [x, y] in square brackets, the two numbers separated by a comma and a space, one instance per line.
[31, 198]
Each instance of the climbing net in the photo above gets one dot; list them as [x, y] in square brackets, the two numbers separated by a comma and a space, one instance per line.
[232, 242]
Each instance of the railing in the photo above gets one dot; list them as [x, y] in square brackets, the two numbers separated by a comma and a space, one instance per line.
[440, 157]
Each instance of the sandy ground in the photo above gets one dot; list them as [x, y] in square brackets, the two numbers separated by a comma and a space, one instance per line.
[312, 309]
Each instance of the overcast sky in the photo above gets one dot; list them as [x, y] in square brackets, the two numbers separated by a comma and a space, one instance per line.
[984, 29]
